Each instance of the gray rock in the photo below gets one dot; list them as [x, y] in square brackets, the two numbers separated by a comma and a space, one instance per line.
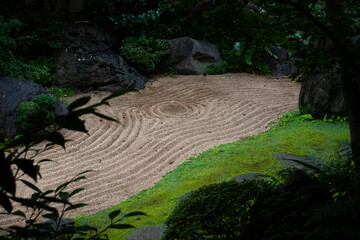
[183, 197]
[86, 62]
[320, 96]
[280, 66]
[13, 91]
[246, 176]
[307, 163]
[190, 56]
[154, 232]
[288, 160]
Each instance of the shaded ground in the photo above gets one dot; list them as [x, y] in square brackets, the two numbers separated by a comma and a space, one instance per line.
[160, 127]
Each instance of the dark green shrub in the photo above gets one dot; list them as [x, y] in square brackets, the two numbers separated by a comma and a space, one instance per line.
[144, 53]
[221, 68]
[45, 101]
[26, 109]
[41, 103]
[218, 211]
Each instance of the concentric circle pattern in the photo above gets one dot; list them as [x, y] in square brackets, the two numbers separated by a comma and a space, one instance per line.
[160, 127]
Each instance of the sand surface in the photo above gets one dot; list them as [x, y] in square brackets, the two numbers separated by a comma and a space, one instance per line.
[160, 127]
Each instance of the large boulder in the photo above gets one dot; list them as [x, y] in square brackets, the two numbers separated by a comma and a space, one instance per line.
[280, 63]
[86, 62]
[13, 91]
[320, 96]
[190, 56]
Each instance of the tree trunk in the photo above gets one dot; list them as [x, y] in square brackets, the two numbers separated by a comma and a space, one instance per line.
[351, 89]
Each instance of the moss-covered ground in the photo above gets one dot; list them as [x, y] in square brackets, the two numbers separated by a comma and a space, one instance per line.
[293, 134]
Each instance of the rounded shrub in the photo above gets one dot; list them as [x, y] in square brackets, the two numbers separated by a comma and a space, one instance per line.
[218, 211]
[45, 101]
[41, 103]
[25, 110]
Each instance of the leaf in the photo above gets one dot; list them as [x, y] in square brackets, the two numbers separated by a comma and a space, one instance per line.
[62, 186]
[76, 191]
[117, 94]
[105, 117]
[75, 206]
[78, 103]
[71, 122]
[55, 200]
[86, 228]
[32, 186]
[121, 226]
[51, 216]
[19, 213]
[34, 204]
[78, 178]
[136, 213]
[56, 138]
[27, 166]
[64, 195]
[114, 214]
[86, 171]
[48, 192]
[7, 179]
[5, 202]
[44, 160]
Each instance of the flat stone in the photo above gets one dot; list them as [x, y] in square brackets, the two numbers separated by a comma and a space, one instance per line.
[154, 232]
[246, 176]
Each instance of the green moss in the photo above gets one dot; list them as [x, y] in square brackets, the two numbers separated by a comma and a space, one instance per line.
[221, 163]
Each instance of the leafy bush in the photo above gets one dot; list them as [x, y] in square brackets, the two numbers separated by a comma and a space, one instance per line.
[144, 53]
[41, 103]
[26, 109]
[45, 101]
[218, 211]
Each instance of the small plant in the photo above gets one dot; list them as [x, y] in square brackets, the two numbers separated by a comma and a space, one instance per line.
[144, 53]
[294, 116]
[39, 70]
[334, 118]
[220, 68]
[61, 92]
[171, 70]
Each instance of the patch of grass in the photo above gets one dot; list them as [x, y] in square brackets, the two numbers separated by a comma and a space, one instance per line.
[297, 135]
[62, 94]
